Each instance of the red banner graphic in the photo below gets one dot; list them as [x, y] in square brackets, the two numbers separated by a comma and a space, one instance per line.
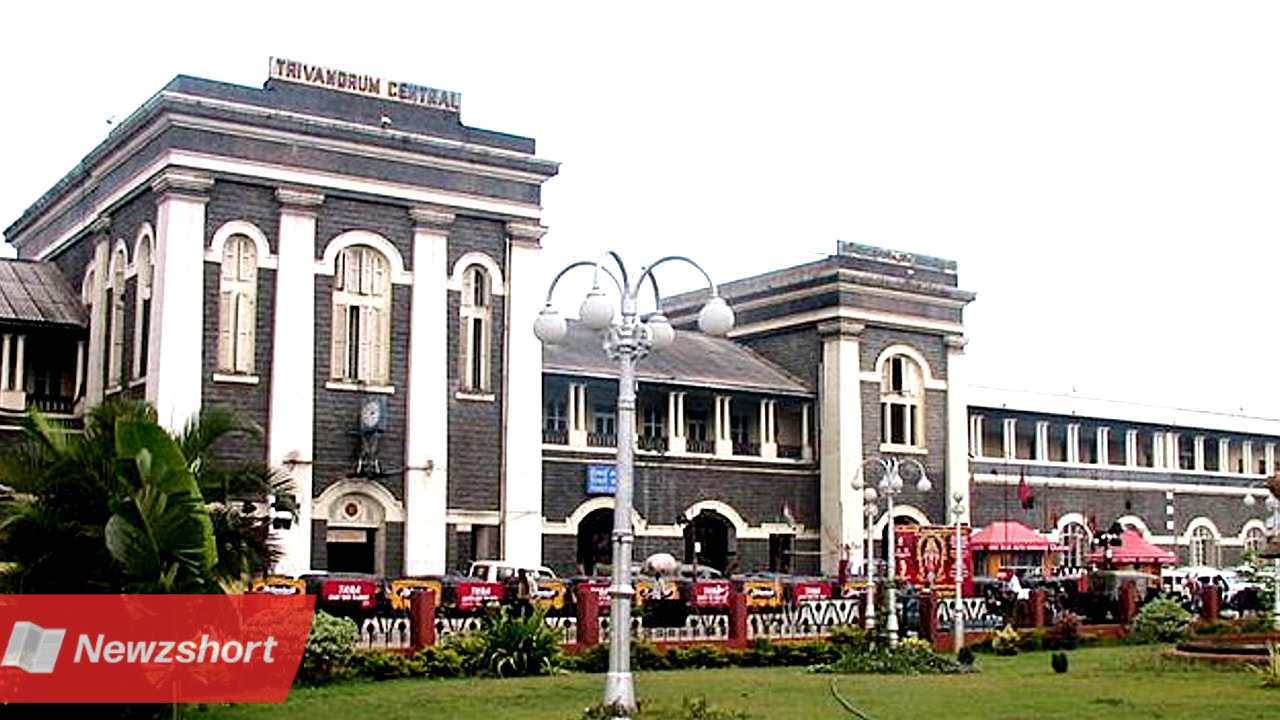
[926, 557]
[151, 648]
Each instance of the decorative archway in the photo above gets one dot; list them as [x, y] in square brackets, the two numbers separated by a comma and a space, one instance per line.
[710, 539]
[595, 531]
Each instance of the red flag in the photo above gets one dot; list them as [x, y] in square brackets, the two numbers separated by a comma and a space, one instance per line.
[1025, 498]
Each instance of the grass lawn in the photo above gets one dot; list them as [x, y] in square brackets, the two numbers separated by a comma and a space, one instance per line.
[1102, 683]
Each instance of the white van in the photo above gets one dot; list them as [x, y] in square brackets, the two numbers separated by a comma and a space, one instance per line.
[499, 571]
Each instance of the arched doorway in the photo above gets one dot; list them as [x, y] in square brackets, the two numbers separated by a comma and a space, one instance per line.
[352, 538]
[594, 541]
[882, 543]
[708, 540]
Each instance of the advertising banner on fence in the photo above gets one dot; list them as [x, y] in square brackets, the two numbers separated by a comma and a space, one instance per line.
[151, 648]
[926, 557]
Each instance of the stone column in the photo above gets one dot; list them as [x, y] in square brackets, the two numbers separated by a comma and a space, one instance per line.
[675, 422]
[175, 362]
[98, 312]
[1104, 445]
[957, 427]
[1199, 453]
[840, 395]
[806, 445]
[292, 410]
[426, 449]
[522, 476]
[578, 415]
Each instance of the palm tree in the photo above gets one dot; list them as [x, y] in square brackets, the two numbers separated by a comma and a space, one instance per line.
[123, 505]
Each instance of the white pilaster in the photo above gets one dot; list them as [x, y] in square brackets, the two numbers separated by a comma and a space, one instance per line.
[724, 420]
[1010, 438]
[95, 367]
[577, 415]
[1073, 443]
[806, 445]
[840, 393]
[1246, 456]
[675, 422]
[1131, 448]
[79, 366]
[958, 437]
[426, 474]
[5, 349]
[1104, 445]
[1172, 448]
[768, 439]
[1224, 455]
[522, 476]
[1199, 453]
[20, 364]
[290, 442]
[1042, 440]
[176, 359]
[1270, 459]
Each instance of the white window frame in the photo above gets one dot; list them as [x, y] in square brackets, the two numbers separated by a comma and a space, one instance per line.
[115, 346]
[554, 416]
[144, 262]
[902, 386]
[1255, 538]
[361, 290]
[1203, 547]
[1078, 541]
[475, 335]
[237, 306]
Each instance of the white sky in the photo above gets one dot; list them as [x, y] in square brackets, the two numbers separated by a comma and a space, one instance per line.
[1105, 173]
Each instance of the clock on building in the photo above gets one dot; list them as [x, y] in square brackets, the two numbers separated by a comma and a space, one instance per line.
[372, 413]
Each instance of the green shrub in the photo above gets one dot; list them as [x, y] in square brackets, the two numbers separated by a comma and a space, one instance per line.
[1005, 641]
[381, 665]
[1065, 632]
[965, 656]
[1161, 621]
[1033, 640]
[329, 651]
[1059, 662]
[847, 638]
[508, 645]
[1257, 623]
[1215, 627]
[439, 661]
[699, 710]
[910, 657]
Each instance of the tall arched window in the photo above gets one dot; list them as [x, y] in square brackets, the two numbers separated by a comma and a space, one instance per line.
[115, 306]
[362, 316]
[1075, 538]
[476, 313]
[1204, 547]
[902, 402]
[1254, 539]
[238, 305]
[142, 317]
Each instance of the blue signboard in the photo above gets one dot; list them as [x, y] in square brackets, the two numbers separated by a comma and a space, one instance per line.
[602, 479]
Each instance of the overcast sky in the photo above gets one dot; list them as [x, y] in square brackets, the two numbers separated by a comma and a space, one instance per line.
[1106, 174]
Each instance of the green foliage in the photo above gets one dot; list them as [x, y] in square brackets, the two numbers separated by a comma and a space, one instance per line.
[1161, 621]
[847, 638]
[697, 709]
[1270, 671]
[125, 506]
[1059, 662]
[1005, 641]
[965, 656]
[910, 657]
[1215, 627]
[1259, 623]
[330, 650]
[508, 645]
[1065, 632]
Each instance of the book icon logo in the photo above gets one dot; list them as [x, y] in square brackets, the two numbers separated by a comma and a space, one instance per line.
[33, 648]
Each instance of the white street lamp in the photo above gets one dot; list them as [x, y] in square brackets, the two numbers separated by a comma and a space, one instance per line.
[957, 615]
[891, 484]
[627, 341]
[869, 509]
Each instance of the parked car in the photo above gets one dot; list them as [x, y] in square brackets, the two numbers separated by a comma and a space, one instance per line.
[501, 571]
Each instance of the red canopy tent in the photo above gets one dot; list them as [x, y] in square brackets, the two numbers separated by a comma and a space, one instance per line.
[1010, 536]
[1135, 550]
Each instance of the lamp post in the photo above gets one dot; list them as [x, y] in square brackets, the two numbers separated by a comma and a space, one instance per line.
[957, 617]
[626, 340]
[889, 485]
[869, 509]
[1273, 522]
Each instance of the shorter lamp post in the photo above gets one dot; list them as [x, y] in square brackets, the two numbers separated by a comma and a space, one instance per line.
[957, 616]
[891, 484]
[869, 509]
[1273, 523]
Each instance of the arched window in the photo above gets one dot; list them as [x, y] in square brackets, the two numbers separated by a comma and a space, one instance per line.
[902, 402]
[1076, 539]
[476, 313]
[1204, 547]
[362, 316]
[238, 305]
[1254, 539]
[142, 322]
[115, 306]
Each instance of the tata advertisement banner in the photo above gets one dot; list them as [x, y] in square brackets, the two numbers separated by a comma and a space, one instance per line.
[926, 557]
[151, 648]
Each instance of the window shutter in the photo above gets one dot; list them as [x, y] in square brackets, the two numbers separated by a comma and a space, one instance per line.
[248, 260]
[338, 363]
[366, 272]
[245, 321]
[351, 270]
[229, 260]
[224, 330]
[912, 379]
[364, 356]
[383, 368]
[379, 287]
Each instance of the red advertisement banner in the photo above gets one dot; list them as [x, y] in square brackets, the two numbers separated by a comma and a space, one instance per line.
[711, 593]
[926, 557]
[811, 590]
[151, 648]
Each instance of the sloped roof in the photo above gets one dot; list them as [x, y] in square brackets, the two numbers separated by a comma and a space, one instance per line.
[1135, 550]
[1010, 536]
[693, 359]
[36, 292]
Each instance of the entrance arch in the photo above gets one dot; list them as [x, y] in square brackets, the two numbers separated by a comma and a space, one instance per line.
[710, 539]
[594, 539]
[356, 514]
